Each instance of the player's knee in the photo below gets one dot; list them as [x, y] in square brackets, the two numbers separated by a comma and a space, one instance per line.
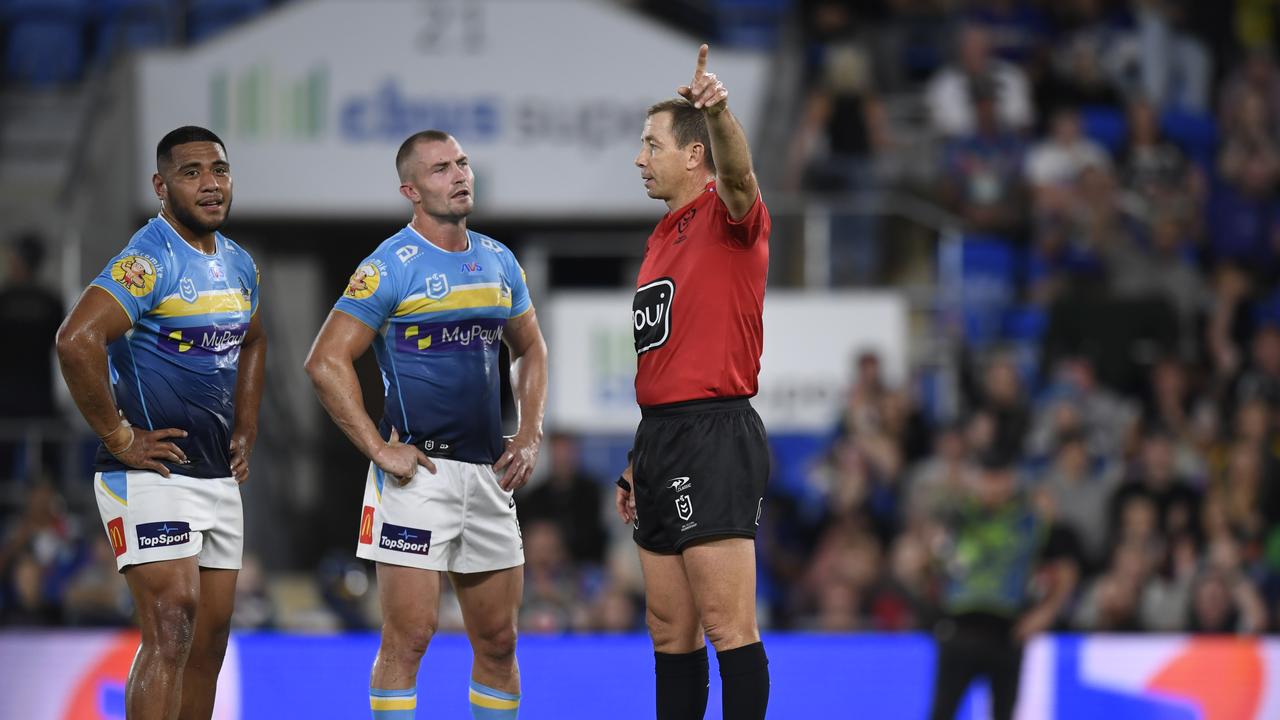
[496, 644]
[171, 628]
[672, 633]
[727, 629]
[408, 641]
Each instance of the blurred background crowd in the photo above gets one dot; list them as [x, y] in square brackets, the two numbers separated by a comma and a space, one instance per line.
[1105, 314]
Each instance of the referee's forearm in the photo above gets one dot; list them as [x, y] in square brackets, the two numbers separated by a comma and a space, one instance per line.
[729, 149]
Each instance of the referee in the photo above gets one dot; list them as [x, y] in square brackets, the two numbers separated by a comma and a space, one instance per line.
[695, 483]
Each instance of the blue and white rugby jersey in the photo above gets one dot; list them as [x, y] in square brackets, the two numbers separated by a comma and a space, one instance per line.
[177, 366]
[439, 318]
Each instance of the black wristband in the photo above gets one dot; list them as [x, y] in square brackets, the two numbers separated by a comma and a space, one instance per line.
[622, 483]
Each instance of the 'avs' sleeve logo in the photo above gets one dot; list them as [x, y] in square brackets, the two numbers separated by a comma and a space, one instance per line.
[651, 314]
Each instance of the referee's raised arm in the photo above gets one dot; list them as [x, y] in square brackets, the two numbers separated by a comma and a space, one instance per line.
[735, 179]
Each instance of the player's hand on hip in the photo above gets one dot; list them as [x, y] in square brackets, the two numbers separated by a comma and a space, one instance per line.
[401, 461]
[241, 448]
[517, 461]
[705, 91]
[147, 449]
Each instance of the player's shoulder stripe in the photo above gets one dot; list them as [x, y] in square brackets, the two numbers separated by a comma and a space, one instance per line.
[469, 296]
[208, 302]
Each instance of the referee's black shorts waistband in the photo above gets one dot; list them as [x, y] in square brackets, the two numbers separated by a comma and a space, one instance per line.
[695, 407]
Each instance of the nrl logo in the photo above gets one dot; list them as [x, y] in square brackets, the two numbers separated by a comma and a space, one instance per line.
[437, 286]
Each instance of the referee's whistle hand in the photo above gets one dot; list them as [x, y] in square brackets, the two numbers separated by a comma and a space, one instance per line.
[625, 503]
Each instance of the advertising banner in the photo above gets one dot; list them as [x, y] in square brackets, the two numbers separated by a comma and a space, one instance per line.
[546, 96]
[810, 341]
[80, 676]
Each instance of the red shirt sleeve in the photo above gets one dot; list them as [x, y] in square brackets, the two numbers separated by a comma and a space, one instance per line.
[750, 228]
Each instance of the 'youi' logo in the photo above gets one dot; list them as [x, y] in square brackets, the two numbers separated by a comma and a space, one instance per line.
[651, 314]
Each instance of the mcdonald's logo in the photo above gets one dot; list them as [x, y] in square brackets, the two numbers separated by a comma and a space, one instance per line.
[115, 533]
[366, 526]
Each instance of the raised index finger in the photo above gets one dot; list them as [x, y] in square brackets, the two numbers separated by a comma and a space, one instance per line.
[702, 62]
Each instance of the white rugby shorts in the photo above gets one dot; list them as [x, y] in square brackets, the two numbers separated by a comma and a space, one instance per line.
[149, 517]
[458, 519]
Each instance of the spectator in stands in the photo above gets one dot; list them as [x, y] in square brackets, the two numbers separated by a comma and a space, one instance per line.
[551, 582]
[1002, 397]
[906, 596]
[616, 611]
[1256, 75]
[982, 171]
[1175, 500]
[1261, 379]
[1244, 221]
[1060, 262]
[1225, 602]
[844, 116]
[571, 499]
[846, 564]
[843, 112]
[948, 95]
[29, 310]
[1156, 171]
[1112, 602]
[38, 553]
[96, 592]
[1056, 164]
[1089, 58]
[1250, 158]
[1175, 65]
[855, 485]
[1081, 488]
[1018, 28]
[1161, 269]
[1228, 328]
[1171, 404]
[1239, 489]
[867, 396]
[1074, 399]
[940, 480]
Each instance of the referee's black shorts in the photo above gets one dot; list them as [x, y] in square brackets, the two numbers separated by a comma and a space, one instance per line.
[700, 469]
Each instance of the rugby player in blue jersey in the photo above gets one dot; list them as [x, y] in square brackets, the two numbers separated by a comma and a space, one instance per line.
[164, 356]
[434, 300]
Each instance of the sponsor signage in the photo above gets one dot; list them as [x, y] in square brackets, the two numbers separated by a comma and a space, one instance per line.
[810, 340]
[329, 89]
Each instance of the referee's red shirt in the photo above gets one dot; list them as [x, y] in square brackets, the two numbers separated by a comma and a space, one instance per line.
[699, 302]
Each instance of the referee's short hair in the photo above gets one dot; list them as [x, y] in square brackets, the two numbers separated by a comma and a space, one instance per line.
[406, 147]
[688, 124]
